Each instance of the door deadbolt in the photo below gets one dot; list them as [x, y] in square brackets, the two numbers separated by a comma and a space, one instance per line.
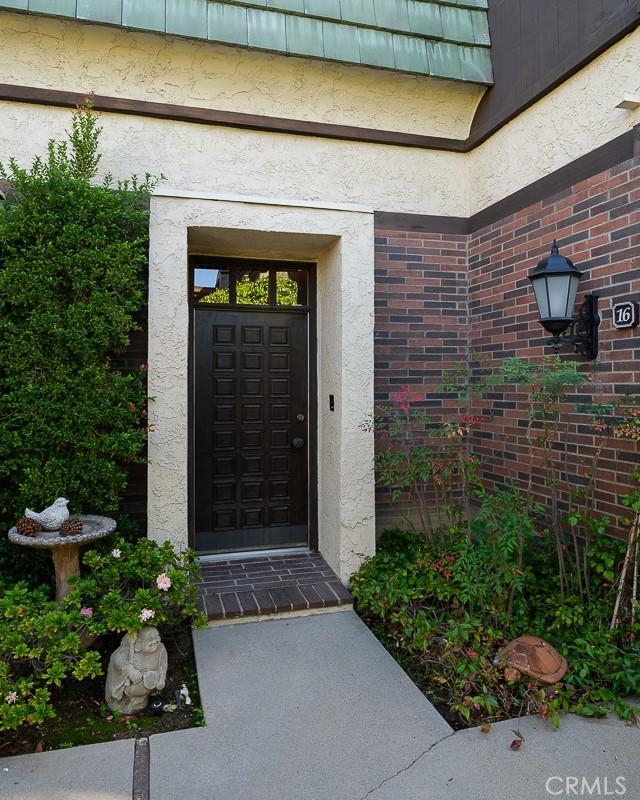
[298, 443]
[300, 417]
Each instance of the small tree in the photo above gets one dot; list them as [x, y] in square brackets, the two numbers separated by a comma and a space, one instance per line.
[73, 261]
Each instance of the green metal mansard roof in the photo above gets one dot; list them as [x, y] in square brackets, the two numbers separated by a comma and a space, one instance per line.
[441, 38]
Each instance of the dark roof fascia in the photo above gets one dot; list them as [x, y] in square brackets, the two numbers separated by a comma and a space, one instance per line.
[230, 119]
[497, 106]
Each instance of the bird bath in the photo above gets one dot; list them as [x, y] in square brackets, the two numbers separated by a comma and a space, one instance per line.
[65, 550]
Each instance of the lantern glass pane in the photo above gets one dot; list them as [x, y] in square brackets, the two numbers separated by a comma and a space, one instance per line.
[540, 289]
[558, 286]
[573, 291]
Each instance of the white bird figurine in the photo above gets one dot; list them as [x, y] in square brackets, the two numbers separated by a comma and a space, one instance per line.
[52, 517]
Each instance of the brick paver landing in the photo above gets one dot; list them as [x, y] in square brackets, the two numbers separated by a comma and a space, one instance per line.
[267, 585]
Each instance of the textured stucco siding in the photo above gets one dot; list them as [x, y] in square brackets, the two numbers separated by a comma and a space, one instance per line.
[341, 243]
[571, 121]
[226, 160]
[58, 54]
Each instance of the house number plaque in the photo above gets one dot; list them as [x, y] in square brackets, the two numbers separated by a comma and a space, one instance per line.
[625, 315]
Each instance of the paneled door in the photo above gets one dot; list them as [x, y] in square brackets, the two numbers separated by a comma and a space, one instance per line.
[250, 429]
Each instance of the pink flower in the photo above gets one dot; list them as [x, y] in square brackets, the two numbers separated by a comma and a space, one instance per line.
[163, 582]
[471, 654]
[11, 698]
[86, 612]
[147, 614]
[116, 553]
[403, 398]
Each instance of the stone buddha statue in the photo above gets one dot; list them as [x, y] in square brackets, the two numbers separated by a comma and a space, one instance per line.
[137, 669]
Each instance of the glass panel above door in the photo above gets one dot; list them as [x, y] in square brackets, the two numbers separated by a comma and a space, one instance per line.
[291, 287]
[224, 282]
[252, 288]
[211, 285]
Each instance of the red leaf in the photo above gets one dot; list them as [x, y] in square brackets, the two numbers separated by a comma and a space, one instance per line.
[516, 743]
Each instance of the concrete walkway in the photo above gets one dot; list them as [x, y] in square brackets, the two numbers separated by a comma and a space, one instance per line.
[314, 708]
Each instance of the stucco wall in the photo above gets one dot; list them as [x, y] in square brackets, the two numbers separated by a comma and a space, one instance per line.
[58, 54]
[342, 244]
[226, 160]
[571, 121]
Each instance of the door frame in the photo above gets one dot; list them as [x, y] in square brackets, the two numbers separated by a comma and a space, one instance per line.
[311, 313]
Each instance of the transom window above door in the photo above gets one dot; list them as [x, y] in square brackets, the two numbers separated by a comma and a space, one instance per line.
[229, 283]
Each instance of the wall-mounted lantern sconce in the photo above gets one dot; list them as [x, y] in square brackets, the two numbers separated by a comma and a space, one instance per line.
[555, 283]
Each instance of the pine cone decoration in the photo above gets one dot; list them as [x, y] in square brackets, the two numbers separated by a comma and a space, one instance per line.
[28, 527]
[72, 527]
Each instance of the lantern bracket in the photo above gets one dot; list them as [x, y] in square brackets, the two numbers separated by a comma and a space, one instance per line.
[584, 330]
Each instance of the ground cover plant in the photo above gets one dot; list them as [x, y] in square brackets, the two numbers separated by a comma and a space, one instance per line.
[53, 655]
[445, 609]
[82, 717]
[445, 597]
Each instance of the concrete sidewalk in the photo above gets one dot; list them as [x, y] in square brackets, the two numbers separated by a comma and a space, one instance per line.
[314, 708]
[95, 772]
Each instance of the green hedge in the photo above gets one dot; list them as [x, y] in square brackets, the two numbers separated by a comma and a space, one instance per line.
[73, 265]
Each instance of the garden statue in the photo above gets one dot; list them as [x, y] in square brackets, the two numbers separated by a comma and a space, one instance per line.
[532, 656]
[137, 669]
[52, 517]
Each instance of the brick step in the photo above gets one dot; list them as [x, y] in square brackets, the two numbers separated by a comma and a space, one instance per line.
[264, 586]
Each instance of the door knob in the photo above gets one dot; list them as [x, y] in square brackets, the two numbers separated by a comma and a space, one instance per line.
[298, 443]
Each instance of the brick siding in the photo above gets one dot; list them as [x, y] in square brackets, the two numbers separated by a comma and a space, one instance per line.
[597, 224]
[441, 299]
[421, 324]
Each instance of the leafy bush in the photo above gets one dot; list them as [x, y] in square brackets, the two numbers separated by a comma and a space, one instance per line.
[40, 647]
[445, 608]
[134, 584]
[425, 460]
[41, 643]
[73, 260]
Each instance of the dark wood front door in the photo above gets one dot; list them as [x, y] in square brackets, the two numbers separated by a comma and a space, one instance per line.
[250, 429]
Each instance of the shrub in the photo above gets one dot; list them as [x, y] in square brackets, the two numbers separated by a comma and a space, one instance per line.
[134, 584]
[73, 260]
[40, 647]
[427, 462]
[120, 590]
[445, 607]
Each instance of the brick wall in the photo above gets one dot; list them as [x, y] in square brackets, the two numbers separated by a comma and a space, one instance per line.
[442, 299]
[421, 323]
[597, 224]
